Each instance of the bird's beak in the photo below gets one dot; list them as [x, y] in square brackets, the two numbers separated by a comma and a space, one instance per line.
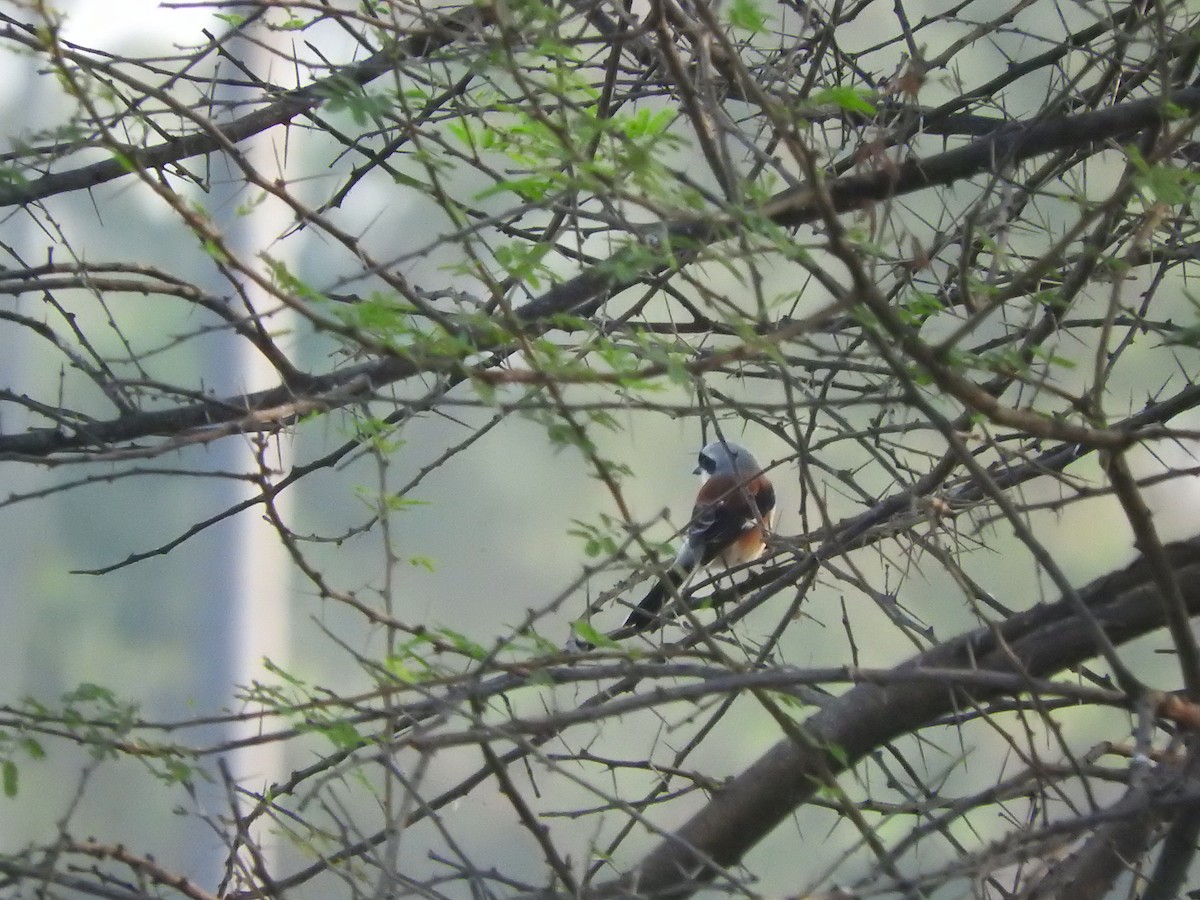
[696, 471]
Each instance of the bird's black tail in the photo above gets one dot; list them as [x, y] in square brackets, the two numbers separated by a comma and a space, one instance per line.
[645, 615]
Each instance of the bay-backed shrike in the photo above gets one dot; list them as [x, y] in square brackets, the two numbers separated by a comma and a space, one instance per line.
[729, 524]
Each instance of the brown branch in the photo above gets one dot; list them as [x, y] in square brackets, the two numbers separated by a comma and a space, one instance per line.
[287, 107]
[1011, 144]
[325, 392]
[583, 293]
[1128, 829]
[1041, 641]
[144, 866]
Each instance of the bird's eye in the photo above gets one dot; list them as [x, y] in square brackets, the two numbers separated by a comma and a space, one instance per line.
[707, 463]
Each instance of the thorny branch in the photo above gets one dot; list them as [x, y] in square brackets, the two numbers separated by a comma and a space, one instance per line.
[939, 266]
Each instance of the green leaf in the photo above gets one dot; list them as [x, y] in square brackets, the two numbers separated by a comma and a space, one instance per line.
[409, 669]
[596, 541]
[464, 644]
[32, 748]
[532, 187]
[746, 15]
[344, 95]
[646, 123]
[787, 700]
[12, 176]
[275, 669]
[1163, 182]
[9, 771]
[920, 307]
[124, 161]
[838, 752]
[398, 502]
[89, 692]
[1174, 110]
[173, 770]
[523, 261]
[214, 250]
[587, 632]
[847, 98]
[381, 435]
[341, 734]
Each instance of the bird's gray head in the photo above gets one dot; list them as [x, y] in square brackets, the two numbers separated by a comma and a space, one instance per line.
[727, 458]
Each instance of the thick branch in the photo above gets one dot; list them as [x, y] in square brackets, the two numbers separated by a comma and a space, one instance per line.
[266, 410]
[1042, 641]
[1011, 144]
[583, 293]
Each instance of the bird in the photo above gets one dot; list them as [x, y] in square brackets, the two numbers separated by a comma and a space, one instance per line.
[729, 523]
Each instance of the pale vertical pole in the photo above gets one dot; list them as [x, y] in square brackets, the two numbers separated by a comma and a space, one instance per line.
[260, 625]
